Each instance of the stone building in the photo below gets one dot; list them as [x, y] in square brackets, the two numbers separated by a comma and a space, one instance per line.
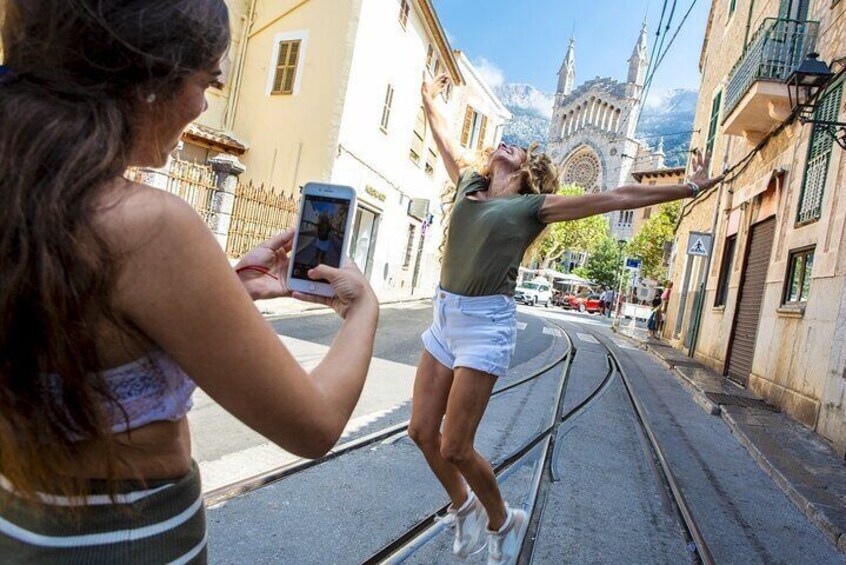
[767, 309]
[592, 133]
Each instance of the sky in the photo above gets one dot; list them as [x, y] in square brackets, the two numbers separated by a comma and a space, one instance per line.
[524, 41]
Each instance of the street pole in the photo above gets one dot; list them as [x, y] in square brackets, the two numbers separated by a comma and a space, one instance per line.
[703, 279]
[616, 322]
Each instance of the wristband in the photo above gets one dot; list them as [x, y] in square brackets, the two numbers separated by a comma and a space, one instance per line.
[694, 189]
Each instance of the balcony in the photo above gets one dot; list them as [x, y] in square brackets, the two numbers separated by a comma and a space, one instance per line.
[756, 94]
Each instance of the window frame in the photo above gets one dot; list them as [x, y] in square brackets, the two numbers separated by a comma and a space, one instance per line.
[302, 36]
[726, 263]
[804, 275]
[405, 8]
[431, 161]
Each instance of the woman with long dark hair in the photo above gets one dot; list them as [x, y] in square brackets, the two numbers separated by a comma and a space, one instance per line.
[115, 298]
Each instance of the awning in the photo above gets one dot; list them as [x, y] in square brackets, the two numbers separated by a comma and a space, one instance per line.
[750, 191]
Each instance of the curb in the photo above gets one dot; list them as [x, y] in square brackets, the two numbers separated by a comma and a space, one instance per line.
[315, 309]
[812, 511]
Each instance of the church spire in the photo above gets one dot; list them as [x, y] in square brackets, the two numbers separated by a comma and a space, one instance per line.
[639, 59]
[567, 74]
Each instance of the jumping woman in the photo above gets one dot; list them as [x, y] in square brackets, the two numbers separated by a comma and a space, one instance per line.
[498, 212]
[116, 300]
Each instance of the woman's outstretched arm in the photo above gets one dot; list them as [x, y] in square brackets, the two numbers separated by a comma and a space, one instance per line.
[178, 288]
[450, 153]
[558, 208]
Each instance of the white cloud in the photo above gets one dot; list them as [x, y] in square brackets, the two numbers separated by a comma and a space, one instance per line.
[656, 97]
[490, 73]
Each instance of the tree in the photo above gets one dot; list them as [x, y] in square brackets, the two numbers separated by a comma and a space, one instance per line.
[654, 235]
[604, 264]
[579, 236]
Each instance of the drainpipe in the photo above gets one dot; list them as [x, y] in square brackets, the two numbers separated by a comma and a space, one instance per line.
[703, 279]
[249, 19]
[748, 24]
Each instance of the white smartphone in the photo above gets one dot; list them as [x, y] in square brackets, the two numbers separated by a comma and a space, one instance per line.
[323, 235]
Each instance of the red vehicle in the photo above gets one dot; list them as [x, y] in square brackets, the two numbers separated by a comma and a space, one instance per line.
[584, 303]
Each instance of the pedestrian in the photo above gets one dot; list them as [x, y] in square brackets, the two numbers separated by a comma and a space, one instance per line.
[116, 298]
[497, 213]
[654, 322]
[603, 301]
[610, 302]
[324, 231]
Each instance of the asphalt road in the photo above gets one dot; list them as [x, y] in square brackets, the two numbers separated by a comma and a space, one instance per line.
[228, 451]
[609, 505]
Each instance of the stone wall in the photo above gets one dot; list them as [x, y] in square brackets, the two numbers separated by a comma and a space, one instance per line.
[799, 359]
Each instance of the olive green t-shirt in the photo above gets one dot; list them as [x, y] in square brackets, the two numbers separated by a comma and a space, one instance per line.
[487, 239]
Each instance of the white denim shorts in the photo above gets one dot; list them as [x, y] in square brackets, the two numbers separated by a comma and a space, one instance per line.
[477, 332]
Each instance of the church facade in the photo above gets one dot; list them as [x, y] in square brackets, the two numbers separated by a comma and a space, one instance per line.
[592, 132]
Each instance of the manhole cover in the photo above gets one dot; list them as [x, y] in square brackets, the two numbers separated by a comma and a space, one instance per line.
[743, 402]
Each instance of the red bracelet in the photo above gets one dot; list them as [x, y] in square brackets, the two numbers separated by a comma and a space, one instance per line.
[258, 269]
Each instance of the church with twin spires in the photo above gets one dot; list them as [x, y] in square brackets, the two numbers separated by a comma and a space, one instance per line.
[592, 132]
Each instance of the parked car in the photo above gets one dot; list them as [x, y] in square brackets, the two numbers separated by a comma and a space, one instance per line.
[534, 293]
[589, 303]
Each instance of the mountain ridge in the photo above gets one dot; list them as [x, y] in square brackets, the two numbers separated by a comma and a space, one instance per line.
[669, 116]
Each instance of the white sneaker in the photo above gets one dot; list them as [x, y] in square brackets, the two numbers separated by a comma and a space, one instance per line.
[469, 523]
[504, 545]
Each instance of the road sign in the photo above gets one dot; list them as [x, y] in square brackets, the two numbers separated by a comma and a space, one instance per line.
[633, 263]
[699, 244]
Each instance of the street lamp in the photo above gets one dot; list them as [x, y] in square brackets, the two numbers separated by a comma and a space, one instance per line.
[804, 86]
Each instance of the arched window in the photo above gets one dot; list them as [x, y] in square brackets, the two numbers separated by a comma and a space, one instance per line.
[583, 169]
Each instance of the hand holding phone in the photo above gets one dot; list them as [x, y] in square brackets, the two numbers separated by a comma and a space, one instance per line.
[323, 235]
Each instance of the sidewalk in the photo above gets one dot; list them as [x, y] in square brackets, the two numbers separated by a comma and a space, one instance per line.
[290, 307]
[799, 461]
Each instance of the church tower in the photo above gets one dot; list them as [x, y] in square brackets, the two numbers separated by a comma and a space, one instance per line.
[638, 63]
[566, 83]
[567, 74]
[592, 135]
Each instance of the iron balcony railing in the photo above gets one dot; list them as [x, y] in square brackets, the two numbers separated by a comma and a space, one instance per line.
[777, 48]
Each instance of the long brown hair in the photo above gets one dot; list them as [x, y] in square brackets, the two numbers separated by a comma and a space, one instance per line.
[77, 72]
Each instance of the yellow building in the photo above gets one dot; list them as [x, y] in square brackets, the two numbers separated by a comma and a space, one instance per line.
[329, 90]
[768, 308]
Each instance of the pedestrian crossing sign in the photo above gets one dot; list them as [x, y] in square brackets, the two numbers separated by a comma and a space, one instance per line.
[699, 244]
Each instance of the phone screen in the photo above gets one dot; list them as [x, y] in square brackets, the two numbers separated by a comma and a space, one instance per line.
[321, 234]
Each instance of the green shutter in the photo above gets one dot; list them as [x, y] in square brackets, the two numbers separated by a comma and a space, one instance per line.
[713, 126]
[819, 155]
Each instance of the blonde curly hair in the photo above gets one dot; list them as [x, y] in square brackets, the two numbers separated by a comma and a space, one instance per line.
[540, 174]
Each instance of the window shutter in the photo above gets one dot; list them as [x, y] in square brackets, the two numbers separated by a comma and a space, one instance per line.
[466, 130]
[286, 67]
[819, 154]
[386, 110]
[482, 131]
[713, 126]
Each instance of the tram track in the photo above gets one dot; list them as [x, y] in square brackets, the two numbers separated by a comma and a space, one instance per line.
[544, 448]
[250, 484]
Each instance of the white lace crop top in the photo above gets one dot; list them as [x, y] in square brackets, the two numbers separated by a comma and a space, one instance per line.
[151, 389]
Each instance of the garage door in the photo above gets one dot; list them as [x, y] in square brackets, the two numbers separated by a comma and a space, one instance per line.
[748, 313]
